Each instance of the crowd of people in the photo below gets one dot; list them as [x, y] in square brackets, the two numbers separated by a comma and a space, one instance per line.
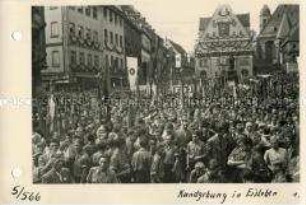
[252, 136]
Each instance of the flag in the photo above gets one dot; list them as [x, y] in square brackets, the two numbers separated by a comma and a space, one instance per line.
[51, 111]
[178, 60]
[132, 66]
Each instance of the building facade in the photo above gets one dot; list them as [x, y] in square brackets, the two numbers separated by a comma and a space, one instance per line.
[74, 46]
[82, 43]
[38, 48]
[224, 48]
[113, 24]
[278, 40]
[180, 61]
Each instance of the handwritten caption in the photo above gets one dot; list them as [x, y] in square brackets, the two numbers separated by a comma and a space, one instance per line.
[21, 193]
[222, 197]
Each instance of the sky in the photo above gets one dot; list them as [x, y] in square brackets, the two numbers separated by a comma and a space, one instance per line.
[179, 20]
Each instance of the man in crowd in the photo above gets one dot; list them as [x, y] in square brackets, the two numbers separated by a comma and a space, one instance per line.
[247, 138]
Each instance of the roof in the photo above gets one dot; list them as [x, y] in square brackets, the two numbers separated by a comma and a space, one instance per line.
[244, 19]
[177, 47]
[284, 28]
[265, 10]
[294, 34]
[204, 23]
[272, 27]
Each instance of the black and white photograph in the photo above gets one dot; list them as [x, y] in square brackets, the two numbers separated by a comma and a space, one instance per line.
[136, 94]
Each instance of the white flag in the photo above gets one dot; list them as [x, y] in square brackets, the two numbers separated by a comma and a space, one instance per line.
[51, 105]
[132, 66]
[178, 60]
[51, 112]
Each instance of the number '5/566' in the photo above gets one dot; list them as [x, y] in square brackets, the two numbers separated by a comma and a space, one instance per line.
[22, 194]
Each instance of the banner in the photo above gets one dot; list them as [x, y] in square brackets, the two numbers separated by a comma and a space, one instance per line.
[178, 60]
[132, 68]
[51, 112]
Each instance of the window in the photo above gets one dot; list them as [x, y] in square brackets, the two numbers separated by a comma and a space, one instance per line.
[72, 57]
[105, 12]
[116, 63]
[54, 29]
[121, 63]
[204, 62]
[105, 35]
[110, 16]
[116, 38]
[80, 9]
[224, 29]
[72, 28]
[81, 32]
[116, 19]
[95, 36]
[245, 73]
[82, 58]
[88, 34]
[112, 61]
[55, 59]
[53, 7]
[72, 7]
[120, 21]
[111, 38]
[89, 60]
[87, 11]
[244, 61]
[94, 12]
[97, 61]
[107, 60]
[121, 41]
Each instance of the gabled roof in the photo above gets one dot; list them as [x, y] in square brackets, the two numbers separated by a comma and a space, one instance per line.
[295, 34]
[177, 47]
[204, 23]
[284, 27]
[272, 27]
[265, 10]
[244, 19]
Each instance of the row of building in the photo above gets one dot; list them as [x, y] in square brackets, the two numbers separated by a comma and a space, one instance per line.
[227, 49]
[86, 43]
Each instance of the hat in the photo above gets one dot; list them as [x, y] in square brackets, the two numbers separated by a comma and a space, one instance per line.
[248, 124]
[199, 165]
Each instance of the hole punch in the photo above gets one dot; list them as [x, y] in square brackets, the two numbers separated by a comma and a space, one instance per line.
[16, 172]
[16, 36]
